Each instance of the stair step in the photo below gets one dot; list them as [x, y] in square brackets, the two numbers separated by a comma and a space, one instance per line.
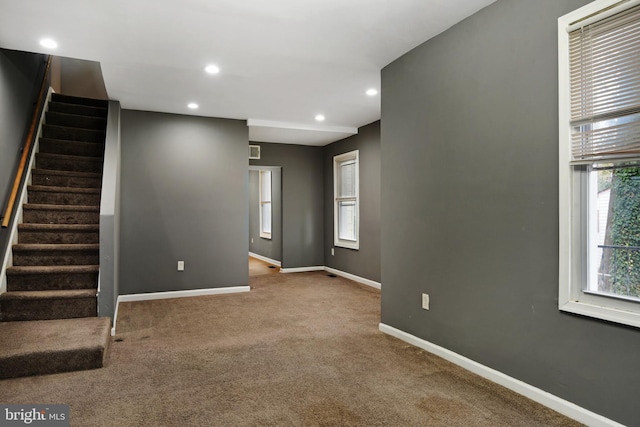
[52, 346]
[68, 99]
[59, 178]
[60, 214]
[43, 278]
[76, 109]
[72, 134]
[46, 194]
[65, 162]
[59, 233]
[48, 305]
[75, 120]
[32, 254]
[72, 148]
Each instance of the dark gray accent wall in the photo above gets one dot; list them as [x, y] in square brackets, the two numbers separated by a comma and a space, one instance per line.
[302, 201]
[184, 197]
[270, 248]
[364, 262]
[470, 209]
[19, 85]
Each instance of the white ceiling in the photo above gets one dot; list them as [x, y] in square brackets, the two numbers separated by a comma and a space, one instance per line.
[282, 61]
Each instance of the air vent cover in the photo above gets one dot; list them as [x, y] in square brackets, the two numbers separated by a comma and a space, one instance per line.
[254, 152]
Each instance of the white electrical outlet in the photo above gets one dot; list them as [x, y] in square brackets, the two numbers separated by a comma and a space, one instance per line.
[180, 265]
[425, 301]
[332, 253]
[252, 240]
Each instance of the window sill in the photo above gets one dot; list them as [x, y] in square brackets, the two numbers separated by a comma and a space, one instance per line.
[602, 312]
[355, 245]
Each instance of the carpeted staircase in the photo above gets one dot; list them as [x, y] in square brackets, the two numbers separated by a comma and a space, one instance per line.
[48, 314]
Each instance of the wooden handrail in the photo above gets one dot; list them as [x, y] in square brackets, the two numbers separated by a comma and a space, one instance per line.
[27, 146]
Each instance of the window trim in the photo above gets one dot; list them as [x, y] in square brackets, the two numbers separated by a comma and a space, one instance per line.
[337, 161]
[261, 202]
[573, 187]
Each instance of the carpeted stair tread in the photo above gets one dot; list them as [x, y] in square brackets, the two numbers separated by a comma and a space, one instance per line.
[60, 214]
[75, 120]
[78, 148]
[52, 195]
[68, 99]
[48, 304]
[69, 157]
[38, 206]
[66, 173]
[52, 277]
[55, 247]
[72, 134]
[47, 295]
[36, 254]
[50, 346]
[66, 178]
[59, 227]
[82, 110]
[68, 162]
[58, 233]
[52, 269]
[54, 189]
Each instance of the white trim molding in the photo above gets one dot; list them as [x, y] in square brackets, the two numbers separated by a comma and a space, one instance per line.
[353, 277]
[265, 259]
[174, 294]
[302, 269]
[549, 400]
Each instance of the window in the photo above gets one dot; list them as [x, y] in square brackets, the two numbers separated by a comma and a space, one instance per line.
[346, 206]
[265, 204]
[599, 65]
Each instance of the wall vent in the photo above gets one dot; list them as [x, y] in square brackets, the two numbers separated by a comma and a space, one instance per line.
[254, 152]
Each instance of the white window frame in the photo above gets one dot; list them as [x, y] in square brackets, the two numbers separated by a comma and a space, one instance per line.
[262, 201]
[337, 198]
[574, 197]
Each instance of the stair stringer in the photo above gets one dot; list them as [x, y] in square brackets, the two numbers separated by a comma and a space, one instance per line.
[20, 201]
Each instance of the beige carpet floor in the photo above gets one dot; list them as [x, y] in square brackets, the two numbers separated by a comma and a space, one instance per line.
[298, 350]
[258, 267]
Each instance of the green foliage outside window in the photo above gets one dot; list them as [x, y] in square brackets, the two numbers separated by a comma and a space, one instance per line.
[620, 265]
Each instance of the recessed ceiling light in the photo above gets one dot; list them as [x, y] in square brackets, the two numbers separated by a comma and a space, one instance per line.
[193, 105]
[320, 118]
[372, 92]
[212, 69]
[48, 43]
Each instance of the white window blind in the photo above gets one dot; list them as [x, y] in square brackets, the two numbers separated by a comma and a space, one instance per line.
[346, 200]
[265, 204]
[604, 60]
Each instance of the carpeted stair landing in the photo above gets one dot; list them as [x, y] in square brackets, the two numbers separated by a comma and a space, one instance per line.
[48, 314]
[50, 346]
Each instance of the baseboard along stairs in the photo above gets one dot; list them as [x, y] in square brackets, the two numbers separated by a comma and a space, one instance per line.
[48, 316]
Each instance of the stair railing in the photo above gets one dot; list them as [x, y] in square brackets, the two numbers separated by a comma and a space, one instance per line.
[29, 142]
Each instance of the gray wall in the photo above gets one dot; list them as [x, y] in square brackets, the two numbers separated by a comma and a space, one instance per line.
[19, 86]
[302, 201]
[270, 248]
[82, 78]
[184, 197]
[470, 209]
[364, 262]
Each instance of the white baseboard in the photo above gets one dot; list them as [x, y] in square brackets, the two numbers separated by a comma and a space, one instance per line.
[301, 269]
[556, 403]
[265, 259]
[174, 294]
[353, 277]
